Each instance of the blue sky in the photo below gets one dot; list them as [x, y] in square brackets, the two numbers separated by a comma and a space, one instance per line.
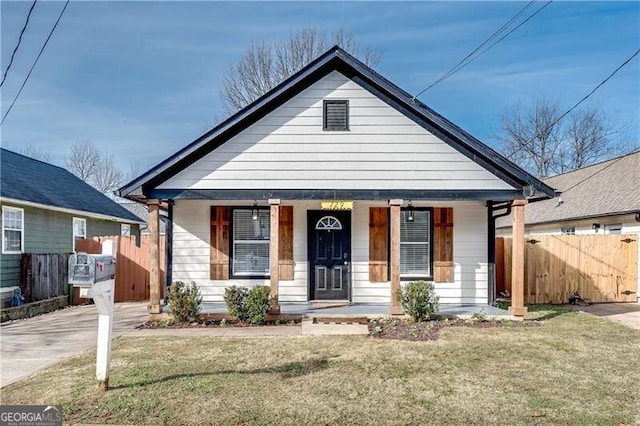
[141, 79]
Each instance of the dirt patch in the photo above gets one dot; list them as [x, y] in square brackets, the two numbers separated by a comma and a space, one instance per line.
[212, 324]
[389, 328]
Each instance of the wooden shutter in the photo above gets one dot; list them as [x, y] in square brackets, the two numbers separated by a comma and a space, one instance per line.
[378, 244]
[220, 242]
[285, 243]
[443, 245]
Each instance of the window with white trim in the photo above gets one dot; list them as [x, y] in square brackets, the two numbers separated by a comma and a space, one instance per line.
[79, 230]
[415, 244]
[12, 230]
[568, 230]
[615, 228]
[250, 242]
[125, 230]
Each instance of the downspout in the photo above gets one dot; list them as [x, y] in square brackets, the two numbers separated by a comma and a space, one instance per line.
[491, 244]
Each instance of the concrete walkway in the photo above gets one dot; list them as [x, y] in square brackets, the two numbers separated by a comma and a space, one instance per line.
[624, 313]
[33, 344]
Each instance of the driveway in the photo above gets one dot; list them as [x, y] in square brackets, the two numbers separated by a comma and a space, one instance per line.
[624, 313]
[31, 345]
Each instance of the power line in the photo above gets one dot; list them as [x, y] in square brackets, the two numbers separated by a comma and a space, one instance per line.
[587, 96]
[4, 77]
[35, 62]
[468, 59]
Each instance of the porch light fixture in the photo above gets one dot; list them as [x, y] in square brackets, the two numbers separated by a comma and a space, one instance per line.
[637, 217]
[410, 211]
[595, 227]
[254, 211]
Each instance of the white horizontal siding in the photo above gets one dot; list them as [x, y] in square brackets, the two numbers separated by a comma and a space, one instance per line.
[287, 149]
[191, 253]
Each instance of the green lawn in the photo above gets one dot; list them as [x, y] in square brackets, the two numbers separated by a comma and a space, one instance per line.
[574, 369]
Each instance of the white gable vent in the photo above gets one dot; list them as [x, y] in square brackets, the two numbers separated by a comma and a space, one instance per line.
[336, 115]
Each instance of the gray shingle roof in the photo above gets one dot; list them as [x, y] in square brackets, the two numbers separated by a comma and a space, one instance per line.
[604, 189]
[23, 178]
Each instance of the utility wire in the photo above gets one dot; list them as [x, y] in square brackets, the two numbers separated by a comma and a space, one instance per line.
[35, 62]
[587, 96]
[468, 59]
[4, 77]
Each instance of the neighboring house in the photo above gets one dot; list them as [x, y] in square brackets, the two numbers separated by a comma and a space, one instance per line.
[142, 212]
[45, 209]
[335, 185]
[600, 199]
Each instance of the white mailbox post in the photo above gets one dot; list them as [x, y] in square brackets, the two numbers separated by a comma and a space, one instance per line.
[94, 274]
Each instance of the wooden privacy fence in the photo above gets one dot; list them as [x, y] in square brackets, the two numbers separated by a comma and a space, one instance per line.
[132, 264]
[43, 276]
[602, 268]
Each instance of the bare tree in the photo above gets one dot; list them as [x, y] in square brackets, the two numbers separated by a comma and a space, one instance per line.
[538, 142]
[530, 138]
[108, 176]
[36, 153]
[263, 66]
[83, 159]
[94, 167]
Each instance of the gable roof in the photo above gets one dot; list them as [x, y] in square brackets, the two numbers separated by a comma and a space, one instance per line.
[604, 189]
[336, 59]
[24, 179]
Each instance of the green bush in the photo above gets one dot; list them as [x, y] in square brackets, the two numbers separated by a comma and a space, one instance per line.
[248, 305]
[184, 301]
[258, 302]
[418, 299]
[236, 300]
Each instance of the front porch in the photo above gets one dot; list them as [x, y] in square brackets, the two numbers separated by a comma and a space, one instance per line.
[363, 310]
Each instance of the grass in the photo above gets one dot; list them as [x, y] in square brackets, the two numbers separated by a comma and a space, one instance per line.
[574, 369]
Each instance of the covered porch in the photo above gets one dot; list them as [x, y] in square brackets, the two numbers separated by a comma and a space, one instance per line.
[282, 261]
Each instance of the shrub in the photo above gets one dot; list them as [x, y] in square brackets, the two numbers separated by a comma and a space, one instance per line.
[236, 300]
[418, 299]
[248, 305]
[184, 301]
[258, 302]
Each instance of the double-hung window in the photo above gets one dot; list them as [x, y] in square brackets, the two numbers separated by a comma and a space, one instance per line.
[415, 244]
[79, 230]
[12, 230]
[250, 244]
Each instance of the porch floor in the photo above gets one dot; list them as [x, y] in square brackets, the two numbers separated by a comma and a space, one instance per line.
[356, 309]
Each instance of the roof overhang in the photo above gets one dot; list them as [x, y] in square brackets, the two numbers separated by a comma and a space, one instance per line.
[69, 211]
[525, 185]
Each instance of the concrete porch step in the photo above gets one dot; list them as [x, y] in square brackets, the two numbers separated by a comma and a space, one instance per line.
[309, 328]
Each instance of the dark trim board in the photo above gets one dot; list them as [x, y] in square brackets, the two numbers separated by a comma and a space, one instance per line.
[336, 59]
[337, 194]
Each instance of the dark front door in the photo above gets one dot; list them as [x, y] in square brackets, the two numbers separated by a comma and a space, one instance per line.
[329, 254]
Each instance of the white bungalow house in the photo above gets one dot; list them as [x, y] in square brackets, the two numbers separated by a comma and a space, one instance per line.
[336, 186]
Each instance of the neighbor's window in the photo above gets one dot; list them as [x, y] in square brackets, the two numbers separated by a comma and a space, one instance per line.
[125, 230]
[250, 250]
[335, 115]
[79, 230]
[568, 230]
[613, 229]
[415, 244]
[12, 230]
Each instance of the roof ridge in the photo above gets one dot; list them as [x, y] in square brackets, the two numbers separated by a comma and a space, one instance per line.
[592, 165]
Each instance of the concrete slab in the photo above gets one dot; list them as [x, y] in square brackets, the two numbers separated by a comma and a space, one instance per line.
[624, 313]
[33, 344]
[267, 331]
[310, 329]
